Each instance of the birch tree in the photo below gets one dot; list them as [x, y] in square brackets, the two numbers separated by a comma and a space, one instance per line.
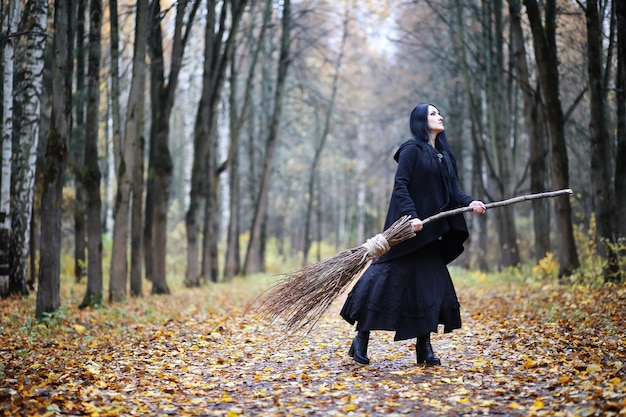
[10, 19]
[28, 99]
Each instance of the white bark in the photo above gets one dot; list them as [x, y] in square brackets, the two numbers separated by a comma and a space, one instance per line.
[29, 99]
[8, 54]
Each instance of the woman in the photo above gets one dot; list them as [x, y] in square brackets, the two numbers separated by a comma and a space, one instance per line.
[409, 290]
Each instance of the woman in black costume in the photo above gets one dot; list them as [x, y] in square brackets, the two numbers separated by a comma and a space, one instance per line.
[409, 290]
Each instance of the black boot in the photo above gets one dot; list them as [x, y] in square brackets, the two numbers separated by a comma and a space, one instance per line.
[358, 349]
[425, 352]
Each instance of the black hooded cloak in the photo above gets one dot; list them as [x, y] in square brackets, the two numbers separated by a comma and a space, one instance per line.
[409, 289]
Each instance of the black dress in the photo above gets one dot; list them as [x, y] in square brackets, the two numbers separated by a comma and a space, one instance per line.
[409, 289]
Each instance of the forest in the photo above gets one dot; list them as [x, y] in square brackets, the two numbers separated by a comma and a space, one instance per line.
[142, 141]
[163, 162]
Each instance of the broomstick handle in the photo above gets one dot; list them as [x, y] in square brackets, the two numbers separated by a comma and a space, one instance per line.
[502, 203]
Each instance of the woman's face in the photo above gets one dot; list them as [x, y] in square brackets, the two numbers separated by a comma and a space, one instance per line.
[435, 120]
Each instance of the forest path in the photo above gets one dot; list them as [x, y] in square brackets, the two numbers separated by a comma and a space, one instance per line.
[522, 351]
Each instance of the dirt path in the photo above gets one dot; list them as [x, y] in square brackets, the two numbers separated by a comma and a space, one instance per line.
[518, 354]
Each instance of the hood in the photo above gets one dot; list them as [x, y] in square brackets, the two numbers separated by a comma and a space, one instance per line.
[410, 142]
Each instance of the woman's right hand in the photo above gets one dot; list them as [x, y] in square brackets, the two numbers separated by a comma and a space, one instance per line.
[417, 225]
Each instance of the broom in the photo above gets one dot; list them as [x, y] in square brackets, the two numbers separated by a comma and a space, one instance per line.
[302, 296]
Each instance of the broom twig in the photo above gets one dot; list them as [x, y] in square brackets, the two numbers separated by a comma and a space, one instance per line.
[302, 296]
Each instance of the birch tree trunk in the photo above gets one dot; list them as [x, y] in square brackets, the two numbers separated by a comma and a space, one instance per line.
[125, 170]
[253, 259]
[55, 161]
[10, 19]
[92, 175]
[28, 98]
[547, 67]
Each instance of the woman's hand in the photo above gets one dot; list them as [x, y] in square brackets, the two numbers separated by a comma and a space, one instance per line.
[478, 206]
[417, 225]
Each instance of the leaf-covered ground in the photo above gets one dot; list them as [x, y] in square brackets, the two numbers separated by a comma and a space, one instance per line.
[523, 351]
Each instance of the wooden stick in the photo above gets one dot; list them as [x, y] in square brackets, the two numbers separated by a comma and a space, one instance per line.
[507, 202]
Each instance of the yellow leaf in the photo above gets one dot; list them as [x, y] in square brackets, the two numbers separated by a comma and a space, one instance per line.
[538, 404]
[79, 328]
[563, 379]
[349, 407]
[225, 398]
[528, 363]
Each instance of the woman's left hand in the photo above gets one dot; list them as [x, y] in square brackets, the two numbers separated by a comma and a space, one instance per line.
[478, 206]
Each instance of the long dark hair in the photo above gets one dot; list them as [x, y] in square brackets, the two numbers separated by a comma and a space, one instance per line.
[418, 123]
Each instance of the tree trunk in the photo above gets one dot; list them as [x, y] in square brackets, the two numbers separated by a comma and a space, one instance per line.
[136, 232]
[160, 160]
[114, 94]
[219, 43]
[547, 66]
[475, 106]
[620, 153]
[535, 126]
[92, 175]
[603, 198]
[9, 21]
[126, 168]
[48, 297]
[500, 160]
[210, 228]
[255, 245]
[232, 263]
[28, 98]
[205, 119]
[77, 145]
